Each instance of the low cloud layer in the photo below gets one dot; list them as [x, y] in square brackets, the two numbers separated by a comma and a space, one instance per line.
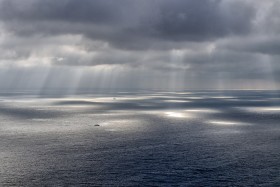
[164, 44]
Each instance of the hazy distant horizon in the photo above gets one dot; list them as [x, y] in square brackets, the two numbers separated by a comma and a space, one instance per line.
[72, 91]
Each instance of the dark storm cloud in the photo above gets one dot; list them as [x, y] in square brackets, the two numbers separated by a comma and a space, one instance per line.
[96, 11]
[199, 20]
[129, 24]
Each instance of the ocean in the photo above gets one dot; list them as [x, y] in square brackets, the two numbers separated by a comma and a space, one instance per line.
[195, 138]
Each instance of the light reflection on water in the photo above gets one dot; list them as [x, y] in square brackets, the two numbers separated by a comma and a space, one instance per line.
[225, 123]
[175, 114]
[151, 139]
[268, 109]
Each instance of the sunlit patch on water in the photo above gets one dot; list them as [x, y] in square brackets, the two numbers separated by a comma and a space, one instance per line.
[225, 123]
[177, 101]
[203, 110]
[189, 113]
[180, 114]
[271, 109]
[175, 114]
[196, 97]
[223, 97]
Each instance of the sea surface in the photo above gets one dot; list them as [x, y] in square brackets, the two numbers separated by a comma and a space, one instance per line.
[199, 138]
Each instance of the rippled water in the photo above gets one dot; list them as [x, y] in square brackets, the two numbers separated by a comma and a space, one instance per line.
[157, 139]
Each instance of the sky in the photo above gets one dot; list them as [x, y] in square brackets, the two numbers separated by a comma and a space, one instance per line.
[139, 44]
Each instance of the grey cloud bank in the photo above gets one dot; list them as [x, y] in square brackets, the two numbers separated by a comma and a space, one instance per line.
[180, 44]
[118, 21]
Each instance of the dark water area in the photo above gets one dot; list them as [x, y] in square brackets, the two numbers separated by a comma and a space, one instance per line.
[202, 138]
